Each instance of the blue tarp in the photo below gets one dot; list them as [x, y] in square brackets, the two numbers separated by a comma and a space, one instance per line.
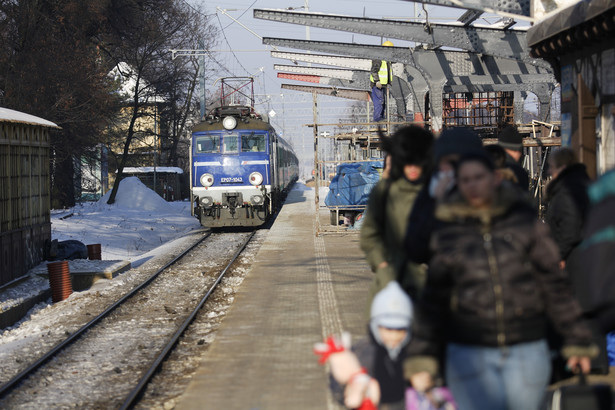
[352, 183]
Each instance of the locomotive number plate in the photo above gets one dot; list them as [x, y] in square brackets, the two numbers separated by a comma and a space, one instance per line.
[230, 180]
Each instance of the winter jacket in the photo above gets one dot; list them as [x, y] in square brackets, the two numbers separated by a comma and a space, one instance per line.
[380, 366]
[420, 225]
[383, 231]
[568, 203]
[596, 254]
[493, 280]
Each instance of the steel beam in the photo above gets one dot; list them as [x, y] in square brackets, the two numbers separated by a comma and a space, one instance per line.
[338, 61]
[439, 68]
[316, 79]
[360, 77]
[515, 8]
[496, 42]
[330, 91]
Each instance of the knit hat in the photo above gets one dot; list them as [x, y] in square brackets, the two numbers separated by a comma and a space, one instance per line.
[510, 138]
[457, 140]
[392, 308]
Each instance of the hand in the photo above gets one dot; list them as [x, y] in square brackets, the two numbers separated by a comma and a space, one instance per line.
[445, 182]
[362, 392]
[378, 84]
[576, 362]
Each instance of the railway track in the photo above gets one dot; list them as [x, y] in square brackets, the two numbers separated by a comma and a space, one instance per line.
[109, 362]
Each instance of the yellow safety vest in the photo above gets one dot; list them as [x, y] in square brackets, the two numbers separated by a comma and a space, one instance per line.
[383, 74]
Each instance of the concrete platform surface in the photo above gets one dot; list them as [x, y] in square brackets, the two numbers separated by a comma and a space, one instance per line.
[300, 289]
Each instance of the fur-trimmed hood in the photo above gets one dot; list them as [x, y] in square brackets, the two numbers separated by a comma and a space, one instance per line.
[454, 208]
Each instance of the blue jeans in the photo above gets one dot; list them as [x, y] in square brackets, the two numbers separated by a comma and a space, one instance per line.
[378, 100]
[491, 378]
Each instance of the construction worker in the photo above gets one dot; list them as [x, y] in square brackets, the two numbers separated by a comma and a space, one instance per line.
[380, 77]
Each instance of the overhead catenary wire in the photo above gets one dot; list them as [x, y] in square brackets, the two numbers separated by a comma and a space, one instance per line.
[229, 45]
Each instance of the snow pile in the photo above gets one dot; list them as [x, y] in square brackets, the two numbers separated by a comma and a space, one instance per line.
[132, 194]
[138, 222]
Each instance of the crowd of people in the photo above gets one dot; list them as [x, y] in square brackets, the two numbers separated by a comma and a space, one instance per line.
[475, 299]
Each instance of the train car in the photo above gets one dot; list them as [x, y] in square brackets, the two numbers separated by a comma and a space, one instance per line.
[241, 168]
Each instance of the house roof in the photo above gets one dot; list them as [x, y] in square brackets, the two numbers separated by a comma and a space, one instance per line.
[8, 115]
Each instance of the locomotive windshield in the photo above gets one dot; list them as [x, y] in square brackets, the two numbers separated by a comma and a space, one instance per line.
[230, 143]
[208, 144]
[251, 142]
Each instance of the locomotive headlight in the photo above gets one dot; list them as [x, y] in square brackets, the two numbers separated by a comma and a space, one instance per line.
[229, 123]
[256, 199]
[207, 201]
[256, 178]
[207, 180]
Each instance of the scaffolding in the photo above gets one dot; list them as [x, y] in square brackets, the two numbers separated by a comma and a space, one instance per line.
[356, 142]
[346, 143]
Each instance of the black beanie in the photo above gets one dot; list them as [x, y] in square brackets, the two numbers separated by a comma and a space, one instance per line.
[510, 138]
[457, 140]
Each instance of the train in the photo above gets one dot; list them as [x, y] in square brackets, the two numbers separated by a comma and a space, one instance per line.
[241, 168]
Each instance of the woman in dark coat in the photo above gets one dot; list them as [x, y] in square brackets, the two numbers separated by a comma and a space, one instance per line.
[567, 208]
[492, 284]
[567, 200]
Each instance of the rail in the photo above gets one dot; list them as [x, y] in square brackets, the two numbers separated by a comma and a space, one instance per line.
[21, 376]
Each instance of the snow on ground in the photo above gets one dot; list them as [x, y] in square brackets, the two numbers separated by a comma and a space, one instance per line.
[137, 227]
[138, 222]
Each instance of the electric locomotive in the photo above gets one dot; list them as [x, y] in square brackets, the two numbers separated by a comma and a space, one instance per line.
[241, 168]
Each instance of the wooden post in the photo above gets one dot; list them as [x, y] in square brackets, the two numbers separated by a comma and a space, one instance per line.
[585, 143]
[316, 167]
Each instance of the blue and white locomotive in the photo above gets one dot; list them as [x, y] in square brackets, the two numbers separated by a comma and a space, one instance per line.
[241, 168]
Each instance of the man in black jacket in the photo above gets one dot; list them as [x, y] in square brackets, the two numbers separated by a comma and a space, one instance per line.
[512, 142]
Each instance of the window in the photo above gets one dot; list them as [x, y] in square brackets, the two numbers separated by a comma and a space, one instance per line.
[208, 143]
[230, 143]
[251, 142]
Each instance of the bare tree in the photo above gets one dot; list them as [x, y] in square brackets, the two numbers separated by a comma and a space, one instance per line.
[163, 25]
[50, 66]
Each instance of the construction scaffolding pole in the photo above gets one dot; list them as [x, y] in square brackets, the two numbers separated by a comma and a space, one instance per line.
[316, 168]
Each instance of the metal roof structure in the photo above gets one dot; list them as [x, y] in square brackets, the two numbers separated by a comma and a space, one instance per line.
[442, 71]
[490, 59]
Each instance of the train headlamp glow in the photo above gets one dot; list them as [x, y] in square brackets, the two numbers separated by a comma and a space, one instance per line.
[207, 180]
[229, 123]
[256, 178]
[256, 199]
[207, 201]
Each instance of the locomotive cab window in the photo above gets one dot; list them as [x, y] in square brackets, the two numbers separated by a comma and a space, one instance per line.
[208, 143]
[230, 143]
[251, 142]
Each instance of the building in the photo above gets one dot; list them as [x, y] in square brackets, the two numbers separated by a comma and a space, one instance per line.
[25, 226]
[577, 40]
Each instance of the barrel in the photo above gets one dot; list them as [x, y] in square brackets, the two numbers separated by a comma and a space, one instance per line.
[59, 280]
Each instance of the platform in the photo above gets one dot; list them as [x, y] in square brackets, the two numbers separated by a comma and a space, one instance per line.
[301, 288]
[84, 272]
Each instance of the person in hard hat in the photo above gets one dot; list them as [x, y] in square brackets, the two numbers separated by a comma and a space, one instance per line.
[380, 78]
